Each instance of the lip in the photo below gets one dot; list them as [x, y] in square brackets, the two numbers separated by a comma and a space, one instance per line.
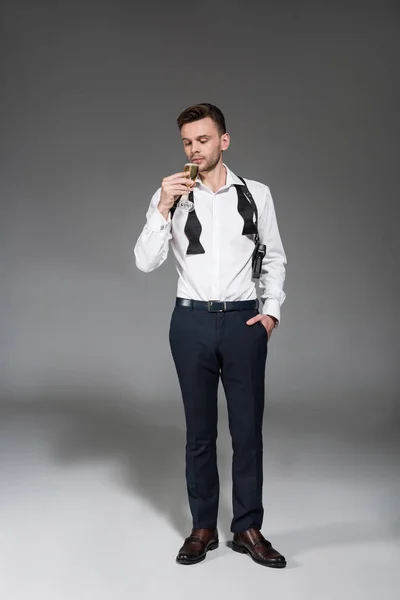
[196, 160]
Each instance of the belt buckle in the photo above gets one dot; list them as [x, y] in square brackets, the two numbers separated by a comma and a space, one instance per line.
[210, 306]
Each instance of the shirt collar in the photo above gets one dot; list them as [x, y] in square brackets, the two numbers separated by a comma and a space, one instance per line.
[231, 179]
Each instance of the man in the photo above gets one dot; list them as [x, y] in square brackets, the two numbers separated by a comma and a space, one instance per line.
[216, 328]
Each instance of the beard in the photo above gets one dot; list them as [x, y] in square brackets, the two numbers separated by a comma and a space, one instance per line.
[211, 162]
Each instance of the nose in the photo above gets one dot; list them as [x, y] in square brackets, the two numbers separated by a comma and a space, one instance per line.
[195, 147]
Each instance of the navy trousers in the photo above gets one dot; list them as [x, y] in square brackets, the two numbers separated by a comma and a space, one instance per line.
[206, 346]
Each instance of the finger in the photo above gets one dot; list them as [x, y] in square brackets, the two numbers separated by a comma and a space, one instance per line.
[177, 190]
[253, 320]
[180, 175]
[180, 186]
[183, 189]
[180, 181]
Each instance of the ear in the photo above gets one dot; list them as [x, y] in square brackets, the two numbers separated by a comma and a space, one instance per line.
[225, 141]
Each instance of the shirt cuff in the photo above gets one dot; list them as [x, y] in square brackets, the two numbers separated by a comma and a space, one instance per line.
[157, 223]
[272, 307]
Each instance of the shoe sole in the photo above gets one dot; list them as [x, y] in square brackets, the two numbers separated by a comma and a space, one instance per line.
[242, 550]
[187, 561]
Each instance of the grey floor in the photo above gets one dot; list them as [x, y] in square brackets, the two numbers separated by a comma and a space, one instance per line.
[93, 503]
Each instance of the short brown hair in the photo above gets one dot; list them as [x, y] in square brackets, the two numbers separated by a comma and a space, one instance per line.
[201, 111]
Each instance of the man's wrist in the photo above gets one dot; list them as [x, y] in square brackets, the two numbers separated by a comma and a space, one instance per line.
[275, 320]
[163, 210]
[158, 222]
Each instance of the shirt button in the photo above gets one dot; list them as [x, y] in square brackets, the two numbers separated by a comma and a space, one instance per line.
[162, 226]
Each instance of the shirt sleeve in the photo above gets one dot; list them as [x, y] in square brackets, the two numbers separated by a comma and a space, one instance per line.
[152, 246]
[273, 270]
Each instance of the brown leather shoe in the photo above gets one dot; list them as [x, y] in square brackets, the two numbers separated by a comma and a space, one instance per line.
[196, 546]
[261, 551]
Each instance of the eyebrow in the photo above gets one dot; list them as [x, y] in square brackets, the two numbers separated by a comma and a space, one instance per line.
[198, 137]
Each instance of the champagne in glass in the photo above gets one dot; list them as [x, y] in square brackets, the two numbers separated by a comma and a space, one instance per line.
[192, 170]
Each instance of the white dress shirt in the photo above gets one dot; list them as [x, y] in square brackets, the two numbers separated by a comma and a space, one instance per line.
[224, 272]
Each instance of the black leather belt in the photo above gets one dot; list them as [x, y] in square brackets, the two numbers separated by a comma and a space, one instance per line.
[217, 305]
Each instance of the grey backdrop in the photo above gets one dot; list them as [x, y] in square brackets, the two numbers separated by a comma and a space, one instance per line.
[90, 94]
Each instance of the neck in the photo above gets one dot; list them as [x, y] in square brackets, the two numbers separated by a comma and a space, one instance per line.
[216, 178]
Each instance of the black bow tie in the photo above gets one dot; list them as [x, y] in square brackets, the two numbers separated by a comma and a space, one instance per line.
[193, 230]
[246, 210]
